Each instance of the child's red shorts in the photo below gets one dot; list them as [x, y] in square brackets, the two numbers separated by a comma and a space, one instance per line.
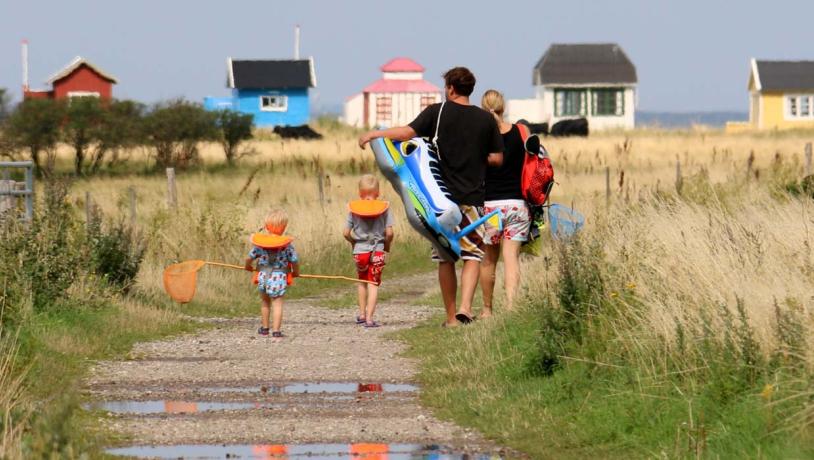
[369, 266]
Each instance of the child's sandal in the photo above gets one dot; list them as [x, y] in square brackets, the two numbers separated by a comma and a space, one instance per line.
[277, 334]
[372, 324]
[264, 331]
[360, 320]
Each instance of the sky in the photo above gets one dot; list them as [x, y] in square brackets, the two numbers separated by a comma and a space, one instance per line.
[690, 55]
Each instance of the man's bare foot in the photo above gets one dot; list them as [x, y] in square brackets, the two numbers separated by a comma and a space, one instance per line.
[448, 324]
[486, 313]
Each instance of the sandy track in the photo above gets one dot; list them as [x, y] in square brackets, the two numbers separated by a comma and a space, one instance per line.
[231, 363]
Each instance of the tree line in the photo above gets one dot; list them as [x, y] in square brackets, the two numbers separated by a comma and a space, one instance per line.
[98, 131]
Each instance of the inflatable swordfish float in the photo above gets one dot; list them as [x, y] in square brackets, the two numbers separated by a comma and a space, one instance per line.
[413, 170]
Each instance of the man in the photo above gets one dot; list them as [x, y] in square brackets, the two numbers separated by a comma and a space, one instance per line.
[468, 141]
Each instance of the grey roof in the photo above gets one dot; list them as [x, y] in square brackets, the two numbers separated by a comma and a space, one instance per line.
[786, 75]
[583, 64]
[281, 74]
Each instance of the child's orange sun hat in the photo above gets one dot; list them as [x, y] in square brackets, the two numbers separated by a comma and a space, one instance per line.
[270, 241]
[368, 208]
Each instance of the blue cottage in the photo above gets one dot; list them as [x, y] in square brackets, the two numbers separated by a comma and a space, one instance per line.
[275, 92]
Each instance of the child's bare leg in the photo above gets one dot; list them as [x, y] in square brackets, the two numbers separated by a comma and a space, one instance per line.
[361, 291]
[372, 296]
[277, 319]
[264, 310]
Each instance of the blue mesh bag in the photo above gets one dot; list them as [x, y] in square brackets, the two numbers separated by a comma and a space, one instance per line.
[565, 222]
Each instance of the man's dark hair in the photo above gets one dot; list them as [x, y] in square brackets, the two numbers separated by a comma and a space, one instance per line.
[461, 80]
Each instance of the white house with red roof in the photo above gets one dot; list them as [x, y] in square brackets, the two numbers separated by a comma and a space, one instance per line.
[393, 100]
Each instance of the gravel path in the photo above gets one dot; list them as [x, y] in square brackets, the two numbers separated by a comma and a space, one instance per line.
[227, 385]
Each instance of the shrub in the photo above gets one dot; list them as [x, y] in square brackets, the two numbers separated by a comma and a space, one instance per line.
[84, 121]
[121, 129]
[175, 129]
[35, 126]
[116, 251]
[233, 128]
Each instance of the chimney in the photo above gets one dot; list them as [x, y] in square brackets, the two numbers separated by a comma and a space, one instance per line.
[25, 64]
[297, 42]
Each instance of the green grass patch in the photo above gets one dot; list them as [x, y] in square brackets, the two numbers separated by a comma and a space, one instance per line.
[479, 376]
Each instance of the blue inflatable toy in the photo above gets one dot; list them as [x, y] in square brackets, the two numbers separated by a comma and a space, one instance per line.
[413, 170]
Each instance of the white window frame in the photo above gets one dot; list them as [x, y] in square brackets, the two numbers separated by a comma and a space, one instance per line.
[73, 94]
[798, 104]
[282, 107]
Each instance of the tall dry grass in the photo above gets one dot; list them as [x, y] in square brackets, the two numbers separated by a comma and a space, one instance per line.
[14, 409]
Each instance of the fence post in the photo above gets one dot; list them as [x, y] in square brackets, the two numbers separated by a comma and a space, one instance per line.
[808, 159]
[29, 198]
[172, 196]
[321, 187]
[88, 208]
[679, 179]
[607, 186]
[131, 191]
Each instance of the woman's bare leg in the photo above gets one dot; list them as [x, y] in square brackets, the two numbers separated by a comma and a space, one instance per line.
[511, 269]
[487, 277]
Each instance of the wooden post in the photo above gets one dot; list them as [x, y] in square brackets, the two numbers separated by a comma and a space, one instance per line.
[679, 179]
[131, 191]
[607, 186]
[88, 208]
[172, 195]
[808, 159]
[321, 187]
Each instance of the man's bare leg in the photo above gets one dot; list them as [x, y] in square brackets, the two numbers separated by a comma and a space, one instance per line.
[448, 280]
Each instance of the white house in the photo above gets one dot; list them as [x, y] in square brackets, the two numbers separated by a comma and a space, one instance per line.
[395, 99]
[594, 81]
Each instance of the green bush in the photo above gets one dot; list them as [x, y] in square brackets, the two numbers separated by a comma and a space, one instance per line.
[174, 129]
[233, 128]
[116, 251]
[35, 126]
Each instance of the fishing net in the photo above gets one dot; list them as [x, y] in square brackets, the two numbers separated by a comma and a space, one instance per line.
[565, 222]
[179, 280]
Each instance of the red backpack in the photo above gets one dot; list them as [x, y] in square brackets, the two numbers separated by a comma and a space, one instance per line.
[538, 173]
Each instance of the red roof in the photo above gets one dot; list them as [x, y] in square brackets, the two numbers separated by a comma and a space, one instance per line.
[401, 86]
[402, 64]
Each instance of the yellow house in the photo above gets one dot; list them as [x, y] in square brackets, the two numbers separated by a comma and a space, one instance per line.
[781, 95]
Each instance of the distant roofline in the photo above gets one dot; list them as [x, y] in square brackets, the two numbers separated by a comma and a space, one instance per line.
[75, 64]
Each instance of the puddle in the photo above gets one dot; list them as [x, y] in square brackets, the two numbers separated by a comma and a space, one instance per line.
[321, 387]
[170, 407]
[357, 451]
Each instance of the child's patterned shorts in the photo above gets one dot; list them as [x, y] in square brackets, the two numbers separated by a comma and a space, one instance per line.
[272, 283]
[369, 266]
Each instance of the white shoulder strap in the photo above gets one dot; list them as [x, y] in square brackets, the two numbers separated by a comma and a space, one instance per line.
[437, 125]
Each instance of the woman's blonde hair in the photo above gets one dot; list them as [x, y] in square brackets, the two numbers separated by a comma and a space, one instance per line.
[493, 101]
[276, 221]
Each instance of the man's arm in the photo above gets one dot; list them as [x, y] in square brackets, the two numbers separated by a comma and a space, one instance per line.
[495, 160]
[399, 133]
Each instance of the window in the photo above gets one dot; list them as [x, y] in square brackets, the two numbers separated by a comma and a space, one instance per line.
[569, 102]
[427, 101]
[73, 94]
[800, 107]
[274, 103]
[608, 101]
[384, 109]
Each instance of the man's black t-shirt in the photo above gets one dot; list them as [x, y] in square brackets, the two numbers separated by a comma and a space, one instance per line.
[503, 183]
[466, 136]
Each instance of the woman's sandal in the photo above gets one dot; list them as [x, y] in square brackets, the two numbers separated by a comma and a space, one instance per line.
[464, 318]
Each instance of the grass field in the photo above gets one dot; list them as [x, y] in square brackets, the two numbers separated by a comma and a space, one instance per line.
[678, 325]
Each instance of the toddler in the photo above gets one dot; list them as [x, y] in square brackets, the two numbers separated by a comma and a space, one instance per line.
[369, 230]
[276, 261]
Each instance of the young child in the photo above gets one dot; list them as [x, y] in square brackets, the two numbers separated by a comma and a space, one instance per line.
[369, 230]
[276, 257]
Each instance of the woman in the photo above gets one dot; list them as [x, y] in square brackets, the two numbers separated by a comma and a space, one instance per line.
[503, 192]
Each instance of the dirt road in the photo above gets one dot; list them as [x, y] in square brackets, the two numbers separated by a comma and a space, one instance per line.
[330, 388]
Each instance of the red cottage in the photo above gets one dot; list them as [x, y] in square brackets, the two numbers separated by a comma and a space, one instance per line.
[79, 78]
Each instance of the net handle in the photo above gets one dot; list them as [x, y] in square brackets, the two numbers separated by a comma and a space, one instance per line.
[324, 277]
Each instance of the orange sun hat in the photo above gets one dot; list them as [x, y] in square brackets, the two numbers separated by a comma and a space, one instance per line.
[368, 208]
[266, 241]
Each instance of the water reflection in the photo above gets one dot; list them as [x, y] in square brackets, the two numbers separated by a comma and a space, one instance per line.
[358, 451]
[171, 407]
